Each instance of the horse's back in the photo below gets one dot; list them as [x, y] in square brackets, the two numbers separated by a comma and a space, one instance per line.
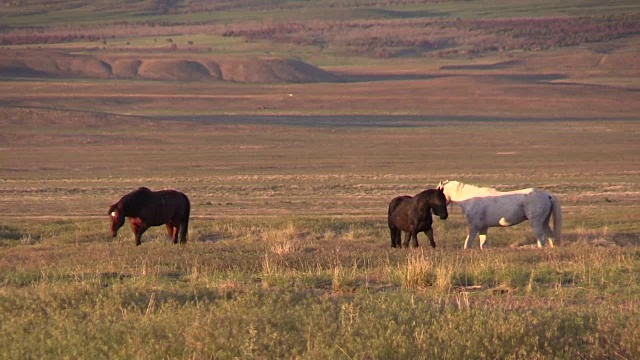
[507, 208]
[539, 201]
[172, 194]
[175, 200]
[165, 206]
[397, 201]
[520, 191]
[395, 209]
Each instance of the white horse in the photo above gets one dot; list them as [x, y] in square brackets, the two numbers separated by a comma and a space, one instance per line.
[487, 207]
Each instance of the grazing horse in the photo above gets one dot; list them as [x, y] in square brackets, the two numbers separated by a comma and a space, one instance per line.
[413, 215]
[146, 208]
[487, 207]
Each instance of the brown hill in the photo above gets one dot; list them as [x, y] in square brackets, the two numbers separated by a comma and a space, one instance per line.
[182, 70]
[273, 70]
[125, 68]
[51, 64]
[30, 63]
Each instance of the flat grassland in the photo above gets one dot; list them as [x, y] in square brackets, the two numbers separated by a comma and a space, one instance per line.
[289, 253]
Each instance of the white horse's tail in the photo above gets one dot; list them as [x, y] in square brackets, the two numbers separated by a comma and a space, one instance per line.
[556, 212]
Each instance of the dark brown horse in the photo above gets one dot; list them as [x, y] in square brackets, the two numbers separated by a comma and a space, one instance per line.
[146, 208]
[413, 215]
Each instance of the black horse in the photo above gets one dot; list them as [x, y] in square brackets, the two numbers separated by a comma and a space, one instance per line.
[146, 208]
[413, 215]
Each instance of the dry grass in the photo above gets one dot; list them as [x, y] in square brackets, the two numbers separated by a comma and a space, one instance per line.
[282, 241]
[442, 94]
[75, 171]
[289, 234]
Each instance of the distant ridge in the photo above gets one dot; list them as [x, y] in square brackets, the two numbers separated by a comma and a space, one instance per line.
[47, 64]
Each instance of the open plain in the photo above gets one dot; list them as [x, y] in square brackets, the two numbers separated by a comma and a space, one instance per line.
[290, 177]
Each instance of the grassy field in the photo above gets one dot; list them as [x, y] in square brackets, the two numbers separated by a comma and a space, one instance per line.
[289, 253]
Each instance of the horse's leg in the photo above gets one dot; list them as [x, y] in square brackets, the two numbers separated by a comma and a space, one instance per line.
[392, 233]
[539, 232]
[170, 230]
[483, 238]
[546, 229]
[184, 229]
[174, 233]
[407, 237]
[138, 229]
[429, 234]
[414, 236]
[473, 232]
[548, 232]
[539, 214]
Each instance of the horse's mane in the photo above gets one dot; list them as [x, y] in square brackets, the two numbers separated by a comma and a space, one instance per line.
[463, 190]
[427, 192]
[475, 190]
[132, 202]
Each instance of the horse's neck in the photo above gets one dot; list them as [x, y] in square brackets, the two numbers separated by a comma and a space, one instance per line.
[465, 191]
[133, 202]
[422, 202]
[128, 210]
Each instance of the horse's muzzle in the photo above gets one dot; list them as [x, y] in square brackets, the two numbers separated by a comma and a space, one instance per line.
[444, 217]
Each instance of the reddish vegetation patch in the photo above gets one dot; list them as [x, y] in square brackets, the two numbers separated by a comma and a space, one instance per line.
[443, 36]
[254, 70]
[396, 37]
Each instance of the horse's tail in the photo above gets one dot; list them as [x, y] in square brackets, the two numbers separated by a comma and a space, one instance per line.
[184, 225]
[556, 212]
[393, 205]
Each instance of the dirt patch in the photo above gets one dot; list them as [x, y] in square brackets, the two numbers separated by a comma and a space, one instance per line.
[125, 68]
[272, 70]
[44, 64]
[213, 68]
[84, 66]
[584, 62]
[40, 118]
[290, 70]
[52, 64]
[491, 66]
[182, 70]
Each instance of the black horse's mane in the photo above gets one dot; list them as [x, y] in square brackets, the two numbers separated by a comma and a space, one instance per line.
[427, 194]
[132, 202]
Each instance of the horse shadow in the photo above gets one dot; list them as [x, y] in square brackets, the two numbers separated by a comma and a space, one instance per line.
[209, 238]
[599, 238]
[12, 233]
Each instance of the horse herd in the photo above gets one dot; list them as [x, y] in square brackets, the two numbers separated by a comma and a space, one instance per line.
[483, 208]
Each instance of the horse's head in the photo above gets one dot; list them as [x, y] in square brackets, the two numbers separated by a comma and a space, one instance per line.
[116, 214]
[439, 205]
